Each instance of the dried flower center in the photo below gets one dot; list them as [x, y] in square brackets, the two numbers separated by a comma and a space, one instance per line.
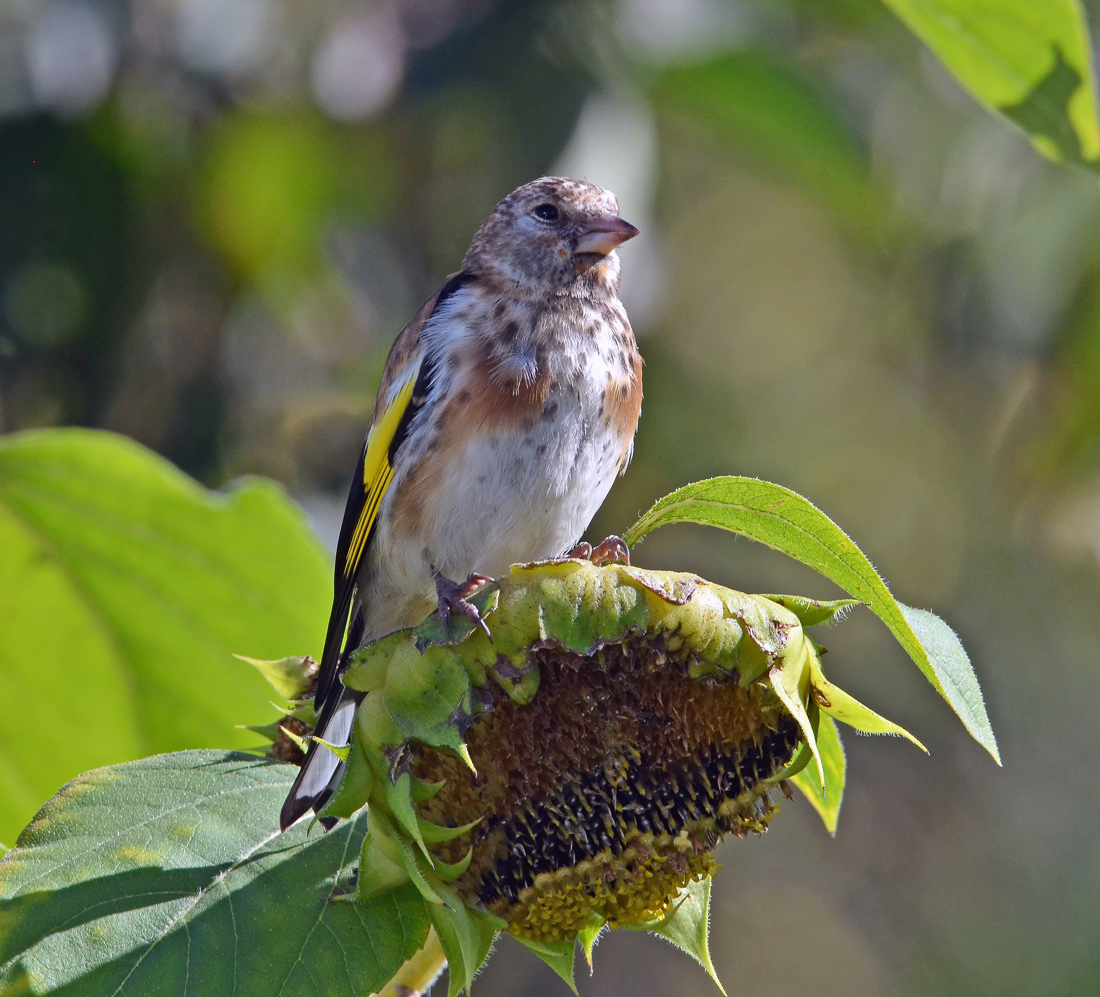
[610, 790]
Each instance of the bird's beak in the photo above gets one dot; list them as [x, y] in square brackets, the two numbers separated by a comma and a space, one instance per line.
[601, 235]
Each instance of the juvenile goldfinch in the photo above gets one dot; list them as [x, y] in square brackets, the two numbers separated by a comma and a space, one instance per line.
[507, 407]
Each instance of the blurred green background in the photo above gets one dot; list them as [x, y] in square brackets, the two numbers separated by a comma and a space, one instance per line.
[215, 215]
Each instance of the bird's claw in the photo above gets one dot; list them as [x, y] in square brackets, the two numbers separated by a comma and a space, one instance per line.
[613, 550]
[455, 597]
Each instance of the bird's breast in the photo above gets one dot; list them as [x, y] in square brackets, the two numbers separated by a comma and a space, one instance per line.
[523, 452]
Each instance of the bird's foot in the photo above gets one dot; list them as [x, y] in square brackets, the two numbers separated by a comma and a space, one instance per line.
[613, 550]
[455, 597]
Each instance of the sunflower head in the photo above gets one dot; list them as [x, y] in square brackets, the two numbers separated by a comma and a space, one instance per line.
[578, 769]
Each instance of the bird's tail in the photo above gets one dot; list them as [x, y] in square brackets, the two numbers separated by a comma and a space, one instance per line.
[321, 771]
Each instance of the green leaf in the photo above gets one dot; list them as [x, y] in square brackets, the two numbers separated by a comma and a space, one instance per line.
[589, 935]
[126, 588]
[814, 612]
[435, 833]
[832, 758]
[467, 935]
[1028, 59]
[168, 876]
[448, 872]
[428, 695]
[398, 849]
[952, 666]
[689, 924]
[381, 869]
[790, 682]
[559, 956]
[341, 751]
[787, 522]
[838, 704]
[399, 798]
[300, 742]
[288, 676]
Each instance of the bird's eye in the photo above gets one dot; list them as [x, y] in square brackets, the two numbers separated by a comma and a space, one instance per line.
[547, 212]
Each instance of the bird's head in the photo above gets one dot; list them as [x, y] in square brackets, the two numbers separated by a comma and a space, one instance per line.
[552, 234]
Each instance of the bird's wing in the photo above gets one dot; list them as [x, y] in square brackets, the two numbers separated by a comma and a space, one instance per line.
[407, 383]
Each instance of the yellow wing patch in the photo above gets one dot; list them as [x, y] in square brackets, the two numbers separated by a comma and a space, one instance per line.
[377, 470]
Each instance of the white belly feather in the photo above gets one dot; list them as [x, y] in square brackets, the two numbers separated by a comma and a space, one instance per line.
[526, 495]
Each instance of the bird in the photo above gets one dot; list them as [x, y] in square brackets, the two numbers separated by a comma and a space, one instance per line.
[507, 407]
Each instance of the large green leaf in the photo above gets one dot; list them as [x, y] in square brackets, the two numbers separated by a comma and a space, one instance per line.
[125, 588]
[784, 520]
[167, 876]
[1028, 59]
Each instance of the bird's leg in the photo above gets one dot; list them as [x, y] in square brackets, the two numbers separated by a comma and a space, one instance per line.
[454, 596]
[613, 550]
[583, 550]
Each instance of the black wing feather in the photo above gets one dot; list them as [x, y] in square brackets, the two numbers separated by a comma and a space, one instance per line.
[344, 581]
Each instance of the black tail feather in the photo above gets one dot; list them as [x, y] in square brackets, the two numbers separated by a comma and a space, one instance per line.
[322, 770]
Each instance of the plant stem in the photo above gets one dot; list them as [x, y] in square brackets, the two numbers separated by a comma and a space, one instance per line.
[419, 972]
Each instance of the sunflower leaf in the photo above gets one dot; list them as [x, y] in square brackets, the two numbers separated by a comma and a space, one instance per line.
[168, 875]
[785, 521]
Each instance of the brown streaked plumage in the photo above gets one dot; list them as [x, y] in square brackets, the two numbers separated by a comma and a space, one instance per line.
[507, 406]
[622, 404]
